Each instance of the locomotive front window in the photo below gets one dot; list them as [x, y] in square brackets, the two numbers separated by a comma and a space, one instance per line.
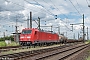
[26, 31]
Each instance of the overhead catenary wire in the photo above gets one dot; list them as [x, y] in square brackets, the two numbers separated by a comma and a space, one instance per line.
[6, 25]
[27, 1]
[63, 14]
[75, 8]
[45, 8]
[65, 25]
[15, 4]
[22, 5]
[32, 9]
[51, 12]
[87, 2]
[18, 4]
[58, 9]
[79, 6]
[5, 18]
[46, 2]
[5, 21]
[8, 9]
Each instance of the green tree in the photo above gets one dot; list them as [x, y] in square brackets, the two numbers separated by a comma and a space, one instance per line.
[7, 38]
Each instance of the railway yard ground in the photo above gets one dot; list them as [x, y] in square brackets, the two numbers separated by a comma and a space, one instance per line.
[81, 55]
[44, 30]
[16, 49]
[55, 52]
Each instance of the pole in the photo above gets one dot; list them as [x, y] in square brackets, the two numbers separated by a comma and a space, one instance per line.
[83, 29]
[4, 34]
[87, 33]
[66, 34]
[27, 23]
[74, 36]
[38, 23]
[78, 36]
[59, 30]
[17, 38]
[51, 28]
[30, 19]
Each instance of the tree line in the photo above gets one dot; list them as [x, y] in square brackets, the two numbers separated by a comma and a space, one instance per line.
[7, 38]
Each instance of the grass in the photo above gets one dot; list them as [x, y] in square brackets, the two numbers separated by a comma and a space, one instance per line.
[88, 52]
[89, 41]
[13, 44]
[3, 44]
[88, 58]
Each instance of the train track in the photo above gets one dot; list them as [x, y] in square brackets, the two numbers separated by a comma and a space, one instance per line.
[42, 53]
[17, 56]
[8, 48]
[62, 53]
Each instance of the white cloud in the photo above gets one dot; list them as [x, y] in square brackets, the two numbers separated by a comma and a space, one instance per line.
[46, 10]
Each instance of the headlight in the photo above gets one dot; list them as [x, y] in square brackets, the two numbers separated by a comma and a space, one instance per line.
[22, 37]
[28, 37]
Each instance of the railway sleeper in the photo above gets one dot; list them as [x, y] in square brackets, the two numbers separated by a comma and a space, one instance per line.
[42, 57]
[64, 57]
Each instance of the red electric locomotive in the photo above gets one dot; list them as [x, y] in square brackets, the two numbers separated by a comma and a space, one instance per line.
[34, 36]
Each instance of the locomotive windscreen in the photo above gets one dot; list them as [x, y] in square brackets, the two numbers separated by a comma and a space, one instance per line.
[26, 31]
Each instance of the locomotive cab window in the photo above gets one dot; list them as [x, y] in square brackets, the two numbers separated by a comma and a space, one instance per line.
[26, 31]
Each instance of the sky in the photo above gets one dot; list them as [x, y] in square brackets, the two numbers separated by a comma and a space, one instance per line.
[66, 11]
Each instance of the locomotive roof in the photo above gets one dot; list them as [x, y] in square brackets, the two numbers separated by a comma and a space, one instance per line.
[30, 29]
[36, 29]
